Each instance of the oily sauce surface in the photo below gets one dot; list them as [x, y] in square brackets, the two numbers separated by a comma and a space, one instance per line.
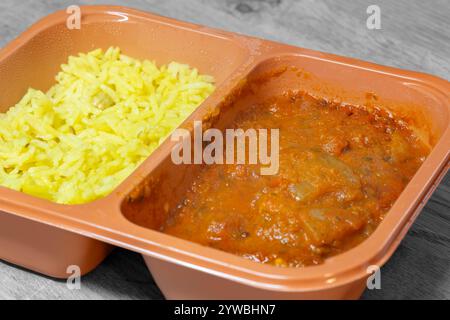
[341, 169]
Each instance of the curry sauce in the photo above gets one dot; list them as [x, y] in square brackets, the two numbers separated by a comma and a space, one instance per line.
[341, 169]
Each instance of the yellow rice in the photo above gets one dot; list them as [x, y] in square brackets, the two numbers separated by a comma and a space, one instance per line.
[106, 113]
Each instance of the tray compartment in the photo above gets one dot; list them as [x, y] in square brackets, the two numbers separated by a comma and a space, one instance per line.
[33, 60]
[425, 108]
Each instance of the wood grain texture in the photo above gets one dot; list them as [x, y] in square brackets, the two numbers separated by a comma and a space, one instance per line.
[415, 35]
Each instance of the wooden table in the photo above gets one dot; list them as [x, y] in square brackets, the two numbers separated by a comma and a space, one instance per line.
[415, 35]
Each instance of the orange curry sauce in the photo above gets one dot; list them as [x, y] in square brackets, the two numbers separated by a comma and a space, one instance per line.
[341, 169]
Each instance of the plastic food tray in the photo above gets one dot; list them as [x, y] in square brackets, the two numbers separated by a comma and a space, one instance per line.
[48, 237]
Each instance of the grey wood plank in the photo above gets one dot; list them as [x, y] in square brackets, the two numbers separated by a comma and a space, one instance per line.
[415, 35]
[122, 275]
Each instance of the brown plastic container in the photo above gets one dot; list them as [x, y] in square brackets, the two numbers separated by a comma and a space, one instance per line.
[48, 237]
